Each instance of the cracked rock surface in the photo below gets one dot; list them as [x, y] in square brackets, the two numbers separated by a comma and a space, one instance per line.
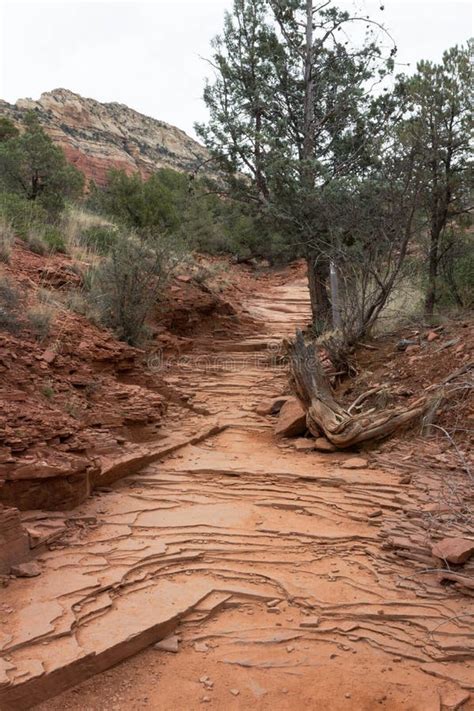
[266, 563]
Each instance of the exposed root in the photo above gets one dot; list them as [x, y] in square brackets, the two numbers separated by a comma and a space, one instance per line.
[340, 427]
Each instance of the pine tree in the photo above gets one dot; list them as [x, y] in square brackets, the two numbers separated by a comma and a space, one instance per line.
[291, 112]
[32, 166]
[438, 130]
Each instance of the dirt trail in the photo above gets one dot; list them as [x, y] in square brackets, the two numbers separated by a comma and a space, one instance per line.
[267, 563]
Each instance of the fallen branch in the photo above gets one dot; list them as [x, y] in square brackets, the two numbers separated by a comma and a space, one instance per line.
[460, 371]
[367, 346]
[448, 344]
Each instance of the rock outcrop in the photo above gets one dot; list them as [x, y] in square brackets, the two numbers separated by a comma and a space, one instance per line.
[67, 400]
[97, 137]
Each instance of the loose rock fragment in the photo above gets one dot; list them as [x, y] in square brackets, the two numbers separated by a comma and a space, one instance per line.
[201, 647]
[273, 603]
[355, 463]
[453, 550]
[170, 644]
[304, 444]
[323, 445]
[271, 407]
[310, 622]
[292, 419]
[26, 570]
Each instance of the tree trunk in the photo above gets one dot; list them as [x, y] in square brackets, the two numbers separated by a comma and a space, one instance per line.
[308, 118]
[335, 303]
[433, 260]
[318, 275]
[318, 264]
[325, 415]
[35, 185]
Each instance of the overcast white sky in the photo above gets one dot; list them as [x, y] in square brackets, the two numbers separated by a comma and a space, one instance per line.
[146, 54]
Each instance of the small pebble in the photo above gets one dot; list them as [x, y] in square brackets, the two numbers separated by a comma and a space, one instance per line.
[273, 603]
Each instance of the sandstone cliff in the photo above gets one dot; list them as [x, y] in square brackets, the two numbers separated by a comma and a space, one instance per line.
[97, 136]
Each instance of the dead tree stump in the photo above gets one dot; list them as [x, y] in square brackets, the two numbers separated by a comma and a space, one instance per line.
[325, 415]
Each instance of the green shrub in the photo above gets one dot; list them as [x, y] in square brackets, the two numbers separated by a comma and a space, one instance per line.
[48, 390]
[7, 237]
[53, 239]
[457, 272]
[21, 213]
[99, 238]
[155, 202]
[32, 166]
[125, 287]
[9, 306]
[45, 239]
[8, 129]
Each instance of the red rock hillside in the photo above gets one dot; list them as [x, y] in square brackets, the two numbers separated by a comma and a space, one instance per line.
[97, 136]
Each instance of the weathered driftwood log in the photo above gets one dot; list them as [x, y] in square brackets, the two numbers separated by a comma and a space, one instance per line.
[325, 415]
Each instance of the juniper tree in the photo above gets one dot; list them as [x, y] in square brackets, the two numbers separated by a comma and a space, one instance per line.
[291, 111]
[33, 167]
[438, 129]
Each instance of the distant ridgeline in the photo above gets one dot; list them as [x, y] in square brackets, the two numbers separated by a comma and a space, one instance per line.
[97, 137]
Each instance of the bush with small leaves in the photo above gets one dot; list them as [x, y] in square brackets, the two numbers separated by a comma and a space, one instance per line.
[8, 129]
[80, 302]
[21, 213]
[99, 238]
[48, 390]
[127, 284]
[53, 239]
[36, 169]
[7, 237]
[9, 306]
[46, 296]
[34, 241]
[75, 301]
[40, 320]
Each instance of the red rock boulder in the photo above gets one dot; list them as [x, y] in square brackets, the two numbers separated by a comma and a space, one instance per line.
[453, 550]
[292, 419]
